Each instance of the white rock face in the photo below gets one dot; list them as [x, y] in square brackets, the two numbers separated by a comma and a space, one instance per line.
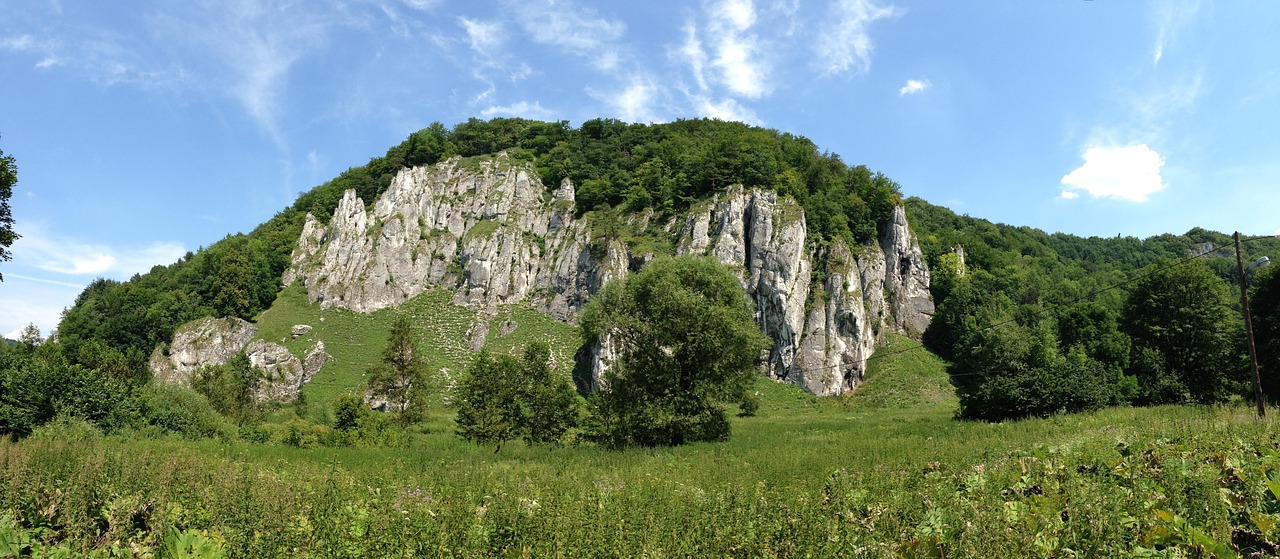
[906, 277]
[495, 236]
[209, 342]
[201, 343]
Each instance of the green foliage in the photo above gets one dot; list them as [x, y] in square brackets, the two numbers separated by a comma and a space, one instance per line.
[189, 544]
[181, 411]
[812, 477]
[400, 378]
[348, 411]
[1265, 305]
[503, 398]
[1006, 368]
[488, 402]
[229, 387]
[1189, 309]
[37, 384]
[8, 178]
[686, 342]
[1180, 317]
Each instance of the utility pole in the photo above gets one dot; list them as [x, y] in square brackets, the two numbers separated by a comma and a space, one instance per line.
[1248, 325]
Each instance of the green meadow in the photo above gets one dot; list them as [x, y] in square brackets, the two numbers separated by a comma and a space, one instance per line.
[886, 472]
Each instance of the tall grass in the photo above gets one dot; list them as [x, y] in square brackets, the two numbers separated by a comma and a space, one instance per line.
[886, 472]
[818, 478]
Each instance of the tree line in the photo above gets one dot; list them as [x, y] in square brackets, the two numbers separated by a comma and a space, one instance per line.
[683, 329]
[1035, 324]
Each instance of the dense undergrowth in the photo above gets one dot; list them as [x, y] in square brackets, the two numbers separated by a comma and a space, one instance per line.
[885, 472]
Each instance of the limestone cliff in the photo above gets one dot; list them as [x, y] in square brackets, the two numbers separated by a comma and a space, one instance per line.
[493, 234]
[215, 341]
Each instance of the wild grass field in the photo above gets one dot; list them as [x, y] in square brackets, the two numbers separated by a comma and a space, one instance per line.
[886, 472]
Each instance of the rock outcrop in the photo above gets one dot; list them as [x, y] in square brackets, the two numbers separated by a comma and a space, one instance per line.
[495, 236]
[209, 342]
[201, 343]
[906, 279]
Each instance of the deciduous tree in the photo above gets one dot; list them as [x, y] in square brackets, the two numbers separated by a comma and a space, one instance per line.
[502, 398]
[687, 343]
[8, 178]
[1183, 314]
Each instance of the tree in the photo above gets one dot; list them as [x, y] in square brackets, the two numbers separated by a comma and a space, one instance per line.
[488, 412]
[503, 398]
[399, 379]
[229, 386]
[8, 178]
[1265, 304]
[1007, 368]
[1180, 317]
[686, 343]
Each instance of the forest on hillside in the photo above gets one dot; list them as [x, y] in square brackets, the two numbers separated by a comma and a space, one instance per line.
[1031, 323]
[617, 168]
[1036, 323]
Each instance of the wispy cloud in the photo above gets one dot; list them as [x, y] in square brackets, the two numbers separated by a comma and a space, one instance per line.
[485, 37]
[576, 29]
[1129, 173]
[70, 257]
[1171, 17]
[913, 87]
[737, 50]
[524, 109]
[844, 42]
[634, 101]
[726, 109]
[247, 49]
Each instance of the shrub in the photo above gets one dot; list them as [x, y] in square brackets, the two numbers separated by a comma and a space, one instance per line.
[182, 411]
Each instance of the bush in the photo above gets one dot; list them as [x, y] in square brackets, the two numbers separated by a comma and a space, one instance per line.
[182, 411]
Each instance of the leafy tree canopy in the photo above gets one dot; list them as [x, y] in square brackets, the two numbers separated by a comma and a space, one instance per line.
[8, 178]
[502, 398]
[686, 342]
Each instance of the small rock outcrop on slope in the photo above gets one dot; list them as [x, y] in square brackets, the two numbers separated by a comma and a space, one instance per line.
[211, 342]
[495, 235]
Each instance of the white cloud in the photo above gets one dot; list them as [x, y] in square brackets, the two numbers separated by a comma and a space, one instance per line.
[19, 43]
[75, 258]
[521, 109]
[844, 44]
[693, 54]
[737, 53]
[26, 301]
[1069, 195]
[632, 103]
[577, 29]
[484, 36]
[422, 5]
[740, 14]
[246, 50]
[914, 86]
[726, 109]
[1125, 173]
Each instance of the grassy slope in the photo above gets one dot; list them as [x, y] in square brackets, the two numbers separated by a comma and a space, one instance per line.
[355, 340]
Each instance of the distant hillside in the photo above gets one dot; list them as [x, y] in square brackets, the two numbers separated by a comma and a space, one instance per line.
[1030, 265]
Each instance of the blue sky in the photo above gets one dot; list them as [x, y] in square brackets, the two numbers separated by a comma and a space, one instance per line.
[143, 130]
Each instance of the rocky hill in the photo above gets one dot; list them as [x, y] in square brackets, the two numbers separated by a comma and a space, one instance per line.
[494, 234]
